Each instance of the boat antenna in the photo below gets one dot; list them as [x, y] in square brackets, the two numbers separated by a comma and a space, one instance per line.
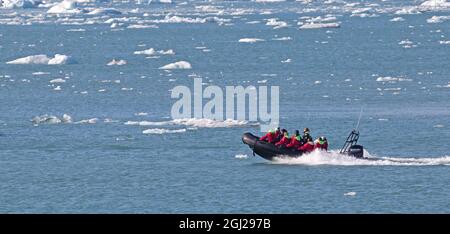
[359, 119]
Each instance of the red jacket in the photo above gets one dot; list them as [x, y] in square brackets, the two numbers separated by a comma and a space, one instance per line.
[321, 147]
[294, 143]
[284, 141]
[307, 147]
[270, 137]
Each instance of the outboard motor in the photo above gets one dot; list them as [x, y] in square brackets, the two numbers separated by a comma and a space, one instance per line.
[351, 147]
[356, 151]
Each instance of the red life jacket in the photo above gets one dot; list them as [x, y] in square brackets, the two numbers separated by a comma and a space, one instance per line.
[283, 141]
[295, 142]
[323, 146]
[269, 137]
[307, 147]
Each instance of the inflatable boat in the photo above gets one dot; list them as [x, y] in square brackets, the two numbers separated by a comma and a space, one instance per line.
[269, 151]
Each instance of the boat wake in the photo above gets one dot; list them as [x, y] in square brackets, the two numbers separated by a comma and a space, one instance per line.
[334, 158]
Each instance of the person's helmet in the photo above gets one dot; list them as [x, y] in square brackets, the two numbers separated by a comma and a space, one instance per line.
[297, 132]
[306, 130]
[283, 130]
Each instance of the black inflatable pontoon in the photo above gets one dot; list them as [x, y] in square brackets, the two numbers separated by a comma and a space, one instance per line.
[270, 151]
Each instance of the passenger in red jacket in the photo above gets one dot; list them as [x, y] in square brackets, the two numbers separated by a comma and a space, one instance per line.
[307, 147]
[295, 141]
[284, 140]
[271, 136]
[321, 143]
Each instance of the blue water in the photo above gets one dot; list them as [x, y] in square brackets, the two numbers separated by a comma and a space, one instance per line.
[112, 167]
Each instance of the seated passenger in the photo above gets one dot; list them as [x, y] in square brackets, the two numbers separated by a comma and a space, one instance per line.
[321, 143]
[306, 136]
[307, 147]
[296, 141]
[284, 140]
[271, 135]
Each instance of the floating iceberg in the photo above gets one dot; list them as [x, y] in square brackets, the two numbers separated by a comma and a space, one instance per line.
[397, 19]
[43, 59]
[152, 51]
[196, 122]
[65, 7]
[437, 19]
[119, 62]
[391, 79]
[58, 80]
[269, 0]
[160, 1]
[162, 131]
[433, 4]
[177, 65]
[60, 59]
[277, 24]
[51, 119]
[250, 40]
[11, 4]
[320, 25]
[104, 11]
[408, 11]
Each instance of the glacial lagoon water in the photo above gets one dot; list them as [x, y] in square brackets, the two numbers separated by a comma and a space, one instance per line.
[117, 149]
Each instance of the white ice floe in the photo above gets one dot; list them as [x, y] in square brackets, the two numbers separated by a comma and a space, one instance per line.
[51, 119]
[177, 65]
[104, 11]
[444, 42]
[58, 80]
[391, 79]
[65, 7]
[11, 4]
[276, 23]
[269, 0]
[76, 30]
[178, 19]
[160, 1]
[319, 25]
[397, 19]
[437, 19]
[408, 11]
[43, 59]
[88, 121]
[141, 26]
[40, 73]
[250, 40]
[115, 62]
[60, 59]
[195, 122]
[433, 4]
[350, 194]
[152, 51]
[282, 38]
[162, 131]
